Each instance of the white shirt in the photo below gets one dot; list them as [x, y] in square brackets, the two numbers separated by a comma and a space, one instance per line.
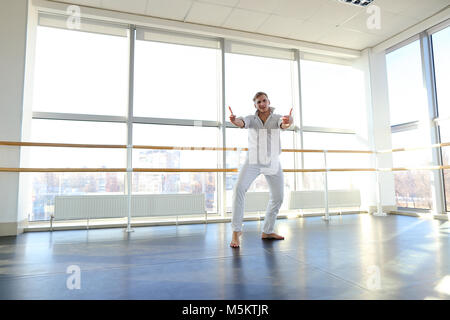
[257, 133]
[272, 122]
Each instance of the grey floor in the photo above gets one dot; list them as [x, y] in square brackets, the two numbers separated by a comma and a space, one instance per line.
[350, 257]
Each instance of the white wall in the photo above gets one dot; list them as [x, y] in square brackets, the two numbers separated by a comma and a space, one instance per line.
[13, 23]
[377, 133]
[379, 120]
[25, 180]
[364, 132]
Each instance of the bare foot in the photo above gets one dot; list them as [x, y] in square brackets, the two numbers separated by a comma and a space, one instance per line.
[235, 242]
[272, 236]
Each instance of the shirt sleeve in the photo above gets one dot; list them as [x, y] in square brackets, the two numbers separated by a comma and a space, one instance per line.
[280, 121]
[246, 120]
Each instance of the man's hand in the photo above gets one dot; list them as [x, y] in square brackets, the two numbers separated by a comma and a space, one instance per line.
[287, 120]
[233, 120]
[232, 117]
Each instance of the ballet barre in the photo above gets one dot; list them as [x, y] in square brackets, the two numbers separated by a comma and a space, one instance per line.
[324, 170]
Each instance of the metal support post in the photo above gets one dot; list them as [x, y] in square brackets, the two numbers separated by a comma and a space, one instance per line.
[326, 217]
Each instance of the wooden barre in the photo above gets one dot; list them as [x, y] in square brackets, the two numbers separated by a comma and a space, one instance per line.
[160, 170]
[416, 168]
[72, 145]
[333, 170]
[328, 151]
[113, 170]
[181, 170]
[203, 169]
[245, 149]
[44, 144]
[209, 170]
[437, 145]
[188, 148]
[63, 170]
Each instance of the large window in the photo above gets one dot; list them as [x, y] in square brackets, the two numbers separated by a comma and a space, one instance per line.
[245, 75]
[176, 78]
[441, 52]
[183, 182]
[407, 92]
[408, 104]
[332, 95]
[412, 187]
[63, 131]
[336, 180]
[176, 81]
[79, 73]
[81, 96]
[445, 137]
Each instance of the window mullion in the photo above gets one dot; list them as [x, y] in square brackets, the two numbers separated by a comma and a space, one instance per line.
[430, 85]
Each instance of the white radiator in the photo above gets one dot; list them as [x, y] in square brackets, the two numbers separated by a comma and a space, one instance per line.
[116, 206]
[316, 199]
[167, 204]
[256, 201]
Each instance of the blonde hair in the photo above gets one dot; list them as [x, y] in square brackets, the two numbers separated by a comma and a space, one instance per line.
[258, 94]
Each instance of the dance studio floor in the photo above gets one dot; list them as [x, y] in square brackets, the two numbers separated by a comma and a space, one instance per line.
[350, 257]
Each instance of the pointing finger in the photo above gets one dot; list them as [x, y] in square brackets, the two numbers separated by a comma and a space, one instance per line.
[230, 109]
[290, 112]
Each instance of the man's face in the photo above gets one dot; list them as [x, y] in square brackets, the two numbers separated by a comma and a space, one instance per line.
[262, 103]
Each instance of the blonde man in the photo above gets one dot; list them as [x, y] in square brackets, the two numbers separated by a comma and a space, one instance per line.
[264, 118]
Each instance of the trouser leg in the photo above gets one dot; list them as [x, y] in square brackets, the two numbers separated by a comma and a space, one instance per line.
[247, 175]
[276, 186]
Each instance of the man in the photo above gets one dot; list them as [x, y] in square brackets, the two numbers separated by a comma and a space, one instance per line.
[264, 118]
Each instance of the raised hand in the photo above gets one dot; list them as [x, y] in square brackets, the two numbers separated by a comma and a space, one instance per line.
[288, 118]
[232, 117]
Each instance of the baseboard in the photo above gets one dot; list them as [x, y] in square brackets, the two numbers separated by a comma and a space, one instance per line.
[331, 214]
[31, 228]
[443, 217]
[385, 209]
[11, 228]
[406, 213]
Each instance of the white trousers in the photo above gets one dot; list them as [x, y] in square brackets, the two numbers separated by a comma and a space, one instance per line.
[248, 174]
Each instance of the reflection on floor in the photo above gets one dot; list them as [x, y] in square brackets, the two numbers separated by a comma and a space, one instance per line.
[350, 257]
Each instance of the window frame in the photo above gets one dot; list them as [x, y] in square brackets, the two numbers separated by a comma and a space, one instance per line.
[225, 44]
[428, 76]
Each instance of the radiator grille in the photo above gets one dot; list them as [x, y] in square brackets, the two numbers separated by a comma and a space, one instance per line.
[316, 199]
[116, 206]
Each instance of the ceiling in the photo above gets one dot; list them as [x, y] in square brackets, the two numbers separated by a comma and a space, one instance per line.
[327, 22]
